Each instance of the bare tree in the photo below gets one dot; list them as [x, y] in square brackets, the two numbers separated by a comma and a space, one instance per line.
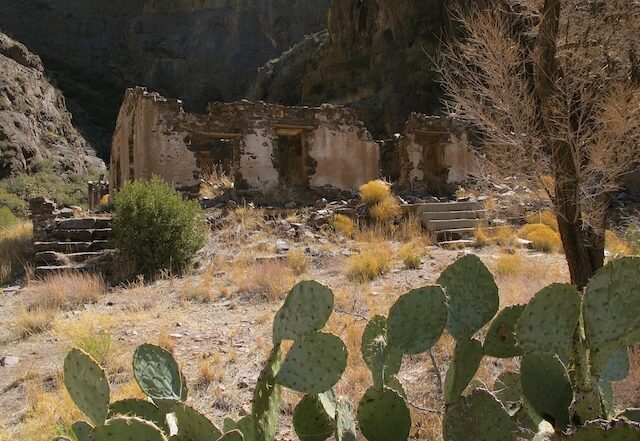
[553, 89]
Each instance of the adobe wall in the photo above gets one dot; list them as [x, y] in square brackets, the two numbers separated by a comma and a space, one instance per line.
[434, 148]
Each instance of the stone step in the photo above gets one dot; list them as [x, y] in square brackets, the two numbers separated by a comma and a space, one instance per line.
[83, 223]
[70, 247]
[454, 224]
[450, 215]
[457, 244]
[82, 235]
[48, 270]
[441, 207]
[50, 258]
[455, 234]
[55, 258]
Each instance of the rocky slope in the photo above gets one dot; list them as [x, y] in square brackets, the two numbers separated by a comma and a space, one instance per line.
[35, 126]
[375, 57]
[196, 50]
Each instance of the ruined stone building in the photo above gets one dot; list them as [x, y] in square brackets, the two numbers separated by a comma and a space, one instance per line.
[266, 147]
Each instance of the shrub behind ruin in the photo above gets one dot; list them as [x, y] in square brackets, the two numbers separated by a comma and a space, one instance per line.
[155, 229]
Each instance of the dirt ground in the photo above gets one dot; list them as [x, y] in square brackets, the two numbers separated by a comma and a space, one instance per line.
[217, 322]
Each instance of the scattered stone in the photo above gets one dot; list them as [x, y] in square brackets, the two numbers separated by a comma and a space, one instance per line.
[9, 360]
[321, 203]
[282, 246]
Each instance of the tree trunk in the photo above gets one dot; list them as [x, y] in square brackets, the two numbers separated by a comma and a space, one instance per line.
[582, 249]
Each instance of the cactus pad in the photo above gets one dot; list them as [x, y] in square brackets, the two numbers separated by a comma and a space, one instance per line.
[631, 415]
[82, 430]
[472, 295]
[617, 368]
[266, 398]
[612, 307]
[244, 425]
[87, 385]
[547, 387]
[548, 323]
[157, 372]
[194, 426]
[466, 361]
[416, 320]
[310, 421]
[314, 364]
[128, 428]
[306, 309]
[478, 417]
[500, 341]
[507, 387]
[377, 327]
[234, 435]
[606, 431]
[146, 410]
[384, 416]
[345, 421]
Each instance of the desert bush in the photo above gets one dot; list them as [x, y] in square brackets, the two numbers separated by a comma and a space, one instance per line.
[15, 249]
[297, 261]
[374, 192]
[64, 291]
[385, 211]
[155, 228]
[542, 217]
[542, 236]
[369, 263]
[343, 224]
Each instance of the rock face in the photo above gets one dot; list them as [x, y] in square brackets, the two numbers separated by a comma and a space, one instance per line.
[35, 125]
[197, 50]
[375, 58]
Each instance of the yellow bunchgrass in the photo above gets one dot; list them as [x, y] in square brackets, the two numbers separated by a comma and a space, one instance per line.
[375, 192]
[385, 211]
[344, 225]
[15, 249]
[34, 321]
[543, 217]
[370, 263]
[269, 280]
[64, 291]
[616, 245]
[543, 237]
[509, 265]
[504, 236]
[411, 254]
[297, 261]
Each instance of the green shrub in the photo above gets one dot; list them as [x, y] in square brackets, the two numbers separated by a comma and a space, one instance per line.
[633, 237]
[7, 218]
[155, 229]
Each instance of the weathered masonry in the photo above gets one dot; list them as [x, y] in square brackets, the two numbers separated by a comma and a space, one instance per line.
[267, 147]
[262, 146]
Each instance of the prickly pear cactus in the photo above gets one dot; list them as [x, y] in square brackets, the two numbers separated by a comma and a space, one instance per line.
[82, 430]
[146, 410]
[617, 368]
[314, 364]
[157, 372]
[306, 309]
[377, 327]
[472, 295]
[345, 421]
[478, 417]
[605, 431]
[612, 309]
[500, 341]
[631, 415]
[245, 426]
[466, 361]
[87, 385]
[546, 385]
[507, 387]
[234, 435]
[310, 420]
[266, 399]
[416, 320]
[128, 428]
[384, 416]
[194, 426]
[548, 323]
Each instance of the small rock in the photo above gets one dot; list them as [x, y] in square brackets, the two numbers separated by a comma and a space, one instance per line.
[321, 203]
[9, 360]
[242, 384]
[282, 246]
[176, 335]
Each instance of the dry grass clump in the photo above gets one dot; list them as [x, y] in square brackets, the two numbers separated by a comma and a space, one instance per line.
[98, 345]
[344, 225]
[412, 254]
[65, 291]
[616, 245]
[545, 217]
[509, 265]
[214, 182]
[34, 321]
[297, 261]
[374, 192]
[385, 211]
[269, 280]
[202, 292]
[15, 249]
[368, 264]
[211, 369]
[543, 237]
[504, 236]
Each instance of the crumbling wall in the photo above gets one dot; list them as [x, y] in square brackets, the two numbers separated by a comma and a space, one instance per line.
[433, 150]
[147, 141]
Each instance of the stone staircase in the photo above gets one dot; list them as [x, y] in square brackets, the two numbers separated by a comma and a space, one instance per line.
[452, 222]
[64, 243]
